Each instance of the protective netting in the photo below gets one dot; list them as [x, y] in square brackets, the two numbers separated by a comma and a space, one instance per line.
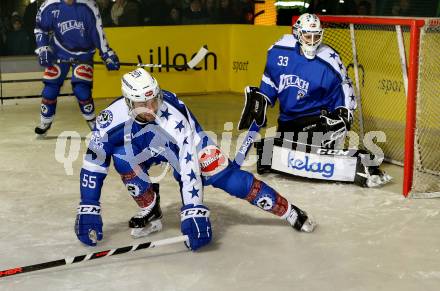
[383, 96]
[426, 181]
[265, 13]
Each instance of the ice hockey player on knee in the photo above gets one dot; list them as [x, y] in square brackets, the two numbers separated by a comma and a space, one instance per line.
[150, 126]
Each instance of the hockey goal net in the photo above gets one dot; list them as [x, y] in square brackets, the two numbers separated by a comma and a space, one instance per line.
[395, 65]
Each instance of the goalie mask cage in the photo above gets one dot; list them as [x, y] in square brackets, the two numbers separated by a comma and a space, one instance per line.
[395, 66]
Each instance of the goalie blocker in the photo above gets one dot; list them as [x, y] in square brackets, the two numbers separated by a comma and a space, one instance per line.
[297, 159]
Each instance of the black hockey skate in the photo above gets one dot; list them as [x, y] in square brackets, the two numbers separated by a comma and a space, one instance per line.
[146, 222]
[42, 129]
[300, 221]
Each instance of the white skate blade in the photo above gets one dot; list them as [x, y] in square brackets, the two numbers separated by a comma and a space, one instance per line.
[153, 226]
[41, 136]
[309, 225]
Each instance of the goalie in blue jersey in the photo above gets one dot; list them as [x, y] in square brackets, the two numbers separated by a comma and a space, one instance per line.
[316, 104]
[149, 126]
[67, 33]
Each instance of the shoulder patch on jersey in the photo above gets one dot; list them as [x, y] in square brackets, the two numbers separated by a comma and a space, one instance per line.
[105, 118]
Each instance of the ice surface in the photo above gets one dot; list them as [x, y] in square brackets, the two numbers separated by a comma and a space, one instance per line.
[367, 239]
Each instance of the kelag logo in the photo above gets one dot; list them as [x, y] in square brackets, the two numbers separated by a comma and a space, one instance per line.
[167, 57]
[326, 169]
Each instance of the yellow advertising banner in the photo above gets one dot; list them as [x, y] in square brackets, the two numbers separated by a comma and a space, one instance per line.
[248, 56]
[236, 56]
[168, 45]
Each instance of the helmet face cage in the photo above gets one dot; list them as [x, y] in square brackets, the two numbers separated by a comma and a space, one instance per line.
[307, 30]
[134, 111]
[139, 86]
[158, 98]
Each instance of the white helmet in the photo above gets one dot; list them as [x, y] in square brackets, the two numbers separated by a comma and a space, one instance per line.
[140, 86]
[307, 29]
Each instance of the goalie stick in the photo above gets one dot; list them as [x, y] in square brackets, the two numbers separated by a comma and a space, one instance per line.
[246, 145]
[200, 55]
[92, 256]
[254, 128]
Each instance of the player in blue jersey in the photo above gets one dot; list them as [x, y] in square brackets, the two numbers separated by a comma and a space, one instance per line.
[69, 31]
[149, 126]
[316, 104]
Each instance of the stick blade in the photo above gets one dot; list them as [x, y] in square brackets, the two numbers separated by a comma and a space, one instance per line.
[203, 51]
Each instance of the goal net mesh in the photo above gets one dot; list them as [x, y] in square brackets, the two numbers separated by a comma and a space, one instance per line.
[382, 95]
[426, 181]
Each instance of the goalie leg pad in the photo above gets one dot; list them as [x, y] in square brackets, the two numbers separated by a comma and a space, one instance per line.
[254, 108]
[368, 175]
[284, 156]
[288, 157]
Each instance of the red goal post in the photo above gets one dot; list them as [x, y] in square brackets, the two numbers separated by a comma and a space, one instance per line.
[385, 53]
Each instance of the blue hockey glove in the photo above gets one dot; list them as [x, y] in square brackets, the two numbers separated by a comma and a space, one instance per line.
[88, 224]
[111, 61]
[196, 225]
[45, 56]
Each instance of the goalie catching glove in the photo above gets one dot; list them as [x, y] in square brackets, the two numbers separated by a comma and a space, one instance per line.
[337, 123]
[254, 108]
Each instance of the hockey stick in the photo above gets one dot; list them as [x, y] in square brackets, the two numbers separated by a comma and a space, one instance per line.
[92, 256]
[203, 51]
[254, 128]
[246, 145]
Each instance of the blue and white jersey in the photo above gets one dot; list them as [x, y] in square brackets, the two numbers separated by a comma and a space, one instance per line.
[73, 31]
[174, 137]
[304, 86]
